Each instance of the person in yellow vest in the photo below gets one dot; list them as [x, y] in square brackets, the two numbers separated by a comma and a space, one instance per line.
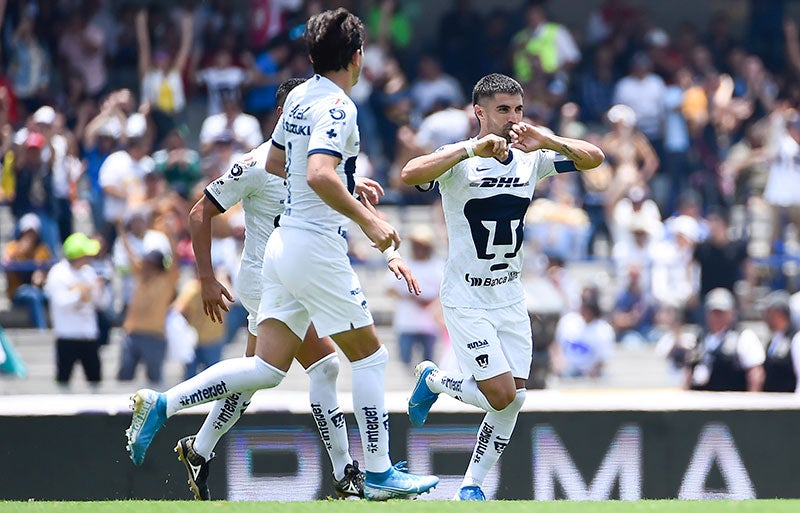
[542, 46]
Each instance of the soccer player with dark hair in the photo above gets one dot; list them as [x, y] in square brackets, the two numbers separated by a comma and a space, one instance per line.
[487, 184]
[306, 272]
[262, 195]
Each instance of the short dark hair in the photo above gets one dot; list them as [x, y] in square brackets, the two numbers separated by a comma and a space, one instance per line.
[492, 84]
[285, 88]
[332, 37]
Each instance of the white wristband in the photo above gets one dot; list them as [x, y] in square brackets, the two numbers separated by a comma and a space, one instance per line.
[469, 149]
[391, 254]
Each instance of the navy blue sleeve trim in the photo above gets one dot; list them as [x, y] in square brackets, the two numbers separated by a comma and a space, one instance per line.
[213, 200]
[279, 146]
[564, 166]
[325, 151]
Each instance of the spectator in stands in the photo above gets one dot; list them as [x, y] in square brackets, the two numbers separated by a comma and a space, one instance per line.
[432, 85]
[82, 49]
[141, 239]
[56, 151]
[26, 259]
[542, 46]
[223, 81]
[155, 279]
[675, 276]
[161, 75]
[630, 153]
[101, 138]
[75, 292]
[724, 359]
[675, 344]
[210, 334]
[781, 191]
[243, 129]
[637, 249]
[460, 37]
[416, 320]
[635, 205]
[30, 66]
[782, 366]
[268, 69]
[584, 341]
[595, 87]
[643, 91]
[633, 313]
[177, 162]
[676, 167]
[722, 261]
[33, 176]
[121, 175]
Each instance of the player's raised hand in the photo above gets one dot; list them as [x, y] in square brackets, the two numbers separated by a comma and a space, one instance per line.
[214, 294]
[527, 137]
[491, 145]
[400, 269]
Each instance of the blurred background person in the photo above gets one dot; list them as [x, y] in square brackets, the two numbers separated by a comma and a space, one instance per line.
[725, 359]
[417, 321]
[584, 342]
[26, 260]
[155, 278]
[74, 293]
[782, 365]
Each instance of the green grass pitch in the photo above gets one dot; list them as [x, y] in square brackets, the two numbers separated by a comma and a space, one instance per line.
[664, 506]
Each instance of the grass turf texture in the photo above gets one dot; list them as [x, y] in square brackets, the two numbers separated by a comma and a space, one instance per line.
[664, 506]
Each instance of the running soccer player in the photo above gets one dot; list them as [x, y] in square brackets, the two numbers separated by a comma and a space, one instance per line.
[486, 187]
[306, 272]
[262, 196]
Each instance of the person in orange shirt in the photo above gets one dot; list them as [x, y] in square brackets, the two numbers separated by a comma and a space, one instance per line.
[26, 259]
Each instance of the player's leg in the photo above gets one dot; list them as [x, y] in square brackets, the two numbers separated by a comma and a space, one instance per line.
[486, 380]
[151, 409]
[318, 357]
[195, 452]
[319, 275]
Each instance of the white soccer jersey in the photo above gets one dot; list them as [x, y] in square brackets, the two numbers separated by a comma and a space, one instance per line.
[318, 117]
[262, 195]
[485, 202]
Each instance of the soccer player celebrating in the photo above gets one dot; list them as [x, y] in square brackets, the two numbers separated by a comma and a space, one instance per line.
[306, 272]
[262, 196]
[487, 184]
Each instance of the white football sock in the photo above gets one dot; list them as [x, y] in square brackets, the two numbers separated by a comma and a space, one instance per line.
[221, 380]
[327, 414]
[493, 437]
[458, 386]
[369, 409]
[223, 415]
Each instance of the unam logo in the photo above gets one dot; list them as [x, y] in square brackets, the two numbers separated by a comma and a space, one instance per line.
[482, 360]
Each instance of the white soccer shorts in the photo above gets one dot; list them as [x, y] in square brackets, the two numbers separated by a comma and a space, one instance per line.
[308, 277]
[490, 342]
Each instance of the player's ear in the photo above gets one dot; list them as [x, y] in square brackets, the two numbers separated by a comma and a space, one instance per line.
[478, 111]
[279, 110]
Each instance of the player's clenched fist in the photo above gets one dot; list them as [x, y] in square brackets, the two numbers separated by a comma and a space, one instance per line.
[491, 145]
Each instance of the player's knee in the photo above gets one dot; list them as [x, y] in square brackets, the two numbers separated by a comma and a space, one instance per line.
[325, 369]
[499, 395]
[269, 376]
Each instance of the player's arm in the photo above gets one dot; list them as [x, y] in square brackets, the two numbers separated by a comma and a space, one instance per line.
[584, 155]
[427, 168]
[212, 291]
[322, 178]
[276, 160]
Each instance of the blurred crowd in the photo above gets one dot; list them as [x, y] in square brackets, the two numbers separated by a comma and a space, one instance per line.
[115, 115]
